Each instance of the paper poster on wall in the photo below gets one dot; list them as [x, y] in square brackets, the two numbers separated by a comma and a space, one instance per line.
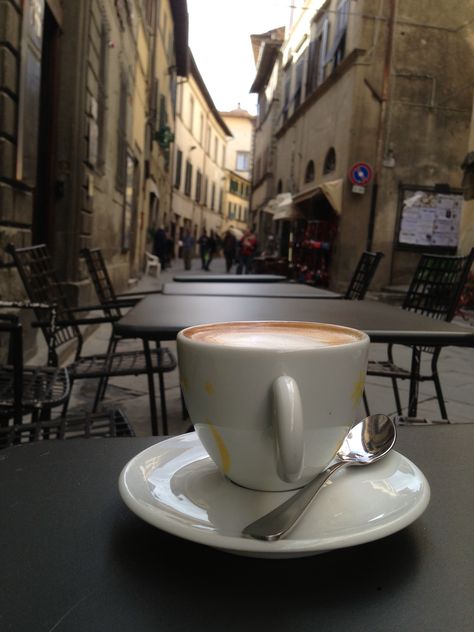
[430, 219]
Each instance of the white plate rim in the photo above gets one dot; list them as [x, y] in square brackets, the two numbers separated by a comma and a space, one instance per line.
[158, 517]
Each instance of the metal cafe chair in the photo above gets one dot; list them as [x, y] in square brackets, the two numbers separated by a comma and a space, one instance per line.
[434, 291]
[27, 391]
[113, 303]
[110, 301]
[363, 275]
[41, 284]
[109, 423]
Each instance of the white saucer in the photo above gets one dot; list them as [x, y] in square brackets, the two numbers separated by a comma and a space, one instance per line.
[175, 486]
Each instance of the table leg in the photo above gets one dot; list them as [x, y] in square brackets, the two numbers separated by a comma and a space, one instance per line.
[151, 388]
[414, 382]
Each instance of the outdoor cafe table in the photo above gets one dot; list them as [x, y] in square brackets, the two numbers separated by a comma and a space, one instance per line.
[74, 558]
[162, 316]
[276, 290]
[229, 278]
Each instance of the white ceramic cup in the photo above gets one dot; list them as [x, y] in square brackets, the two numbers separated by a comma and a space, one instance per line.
[271, 401]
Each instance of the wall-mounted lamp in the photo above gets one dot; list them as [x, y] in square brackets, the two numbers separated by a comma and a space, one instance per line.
[193, 148]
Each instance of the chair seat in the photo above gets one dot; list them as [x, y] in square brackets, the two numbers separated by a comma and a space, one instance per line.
[123, 363]
[42, 387]
[384, 368]
[109, 423]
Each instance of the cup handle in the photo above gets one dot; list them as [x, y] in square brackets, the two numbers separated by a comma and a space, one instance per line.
[288, 422]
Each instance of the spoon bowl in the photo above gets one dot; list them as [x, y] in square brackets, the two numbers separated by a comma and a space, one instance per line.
[366, 442]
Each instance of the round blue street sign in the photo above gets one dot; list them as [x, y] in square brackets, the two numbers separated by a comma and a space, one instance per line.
[360, 173]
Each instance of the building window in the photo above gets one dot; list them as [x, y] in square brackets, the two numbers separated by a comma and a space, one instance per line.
[309, 173]
[234, 186]
[298, 92]
[317, 57]
[201, 128]
[280, 186]
[121, 165]
[179, 165]
[330, 161]
[163, 112]
[102, 96]
[286, 95]
[191, 114]
[206, 184]
[216, 148]
[188, 178]
[213, 195]
[339, 46]
[198, 186]
[242, 161]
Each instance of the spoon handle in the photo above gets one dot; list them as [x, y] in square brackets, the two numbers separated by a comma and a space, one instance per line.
[277, 522]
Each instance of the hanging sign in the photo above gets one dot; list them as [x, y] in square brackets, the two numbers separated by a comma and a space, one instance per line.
[360, 173]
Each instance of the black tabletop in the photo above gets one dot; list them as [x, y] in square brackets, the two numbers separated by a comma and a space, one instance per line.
[229, 278]
[74, 558]
[276, 290]
[163, 316]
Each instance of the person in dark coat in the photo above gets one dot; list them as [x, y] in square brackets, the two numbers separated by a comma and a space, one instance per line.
[160, 246]
[229, 246]
[204, 249]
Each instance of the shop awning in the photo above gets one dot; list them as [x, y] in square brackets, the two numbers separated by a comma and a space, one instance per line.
[285, 208]
[332, 190]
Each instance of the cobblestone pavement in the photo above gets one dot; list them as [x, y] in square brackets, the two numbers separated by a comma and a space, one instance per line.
[456, 366]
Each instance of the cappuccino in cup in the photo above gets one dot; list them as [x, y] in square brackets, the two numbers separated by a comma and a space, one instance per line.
[271, 401]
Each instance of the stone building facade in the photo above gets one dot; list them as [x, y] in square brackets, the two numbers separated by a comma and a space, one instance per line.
[85, 90]
[238, 168]
[371, 129]
[199, 159]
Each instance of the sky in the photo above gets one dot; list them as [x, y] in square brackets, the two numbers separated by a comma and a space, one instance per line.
[219, 38]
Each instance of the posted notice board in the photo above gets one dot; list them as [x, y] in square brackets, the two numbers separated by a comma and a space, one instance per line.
[429, 219]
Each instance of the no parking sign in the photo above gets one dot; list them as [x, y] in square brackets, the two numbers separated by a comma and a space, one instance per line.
[360, 173]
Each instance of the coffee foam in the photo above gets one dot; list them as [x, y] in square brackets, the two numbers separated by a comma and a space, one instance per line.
[273, 335]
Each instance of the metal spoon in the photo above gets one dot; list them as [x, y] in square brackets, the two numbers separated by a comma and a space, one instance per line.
[366, 442]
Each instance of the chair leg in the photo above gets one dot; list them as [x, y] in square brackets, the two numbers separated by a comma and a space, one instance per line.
[164, 414]
[184, 410]
[414, 382]
[437, 383]
[103, 381]
[396, 392]
[68, 398]
[366, 403]
[151, 388]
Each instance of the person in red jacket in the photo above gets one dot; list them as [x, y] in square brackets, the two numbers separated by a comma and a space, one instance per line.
[247, 251]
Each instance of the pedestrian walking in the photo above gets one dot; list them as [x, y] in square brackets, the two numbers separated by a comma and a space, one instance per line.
[247, 251]
[188, 248]
[229, 246]
[160, 246]
[204, 249]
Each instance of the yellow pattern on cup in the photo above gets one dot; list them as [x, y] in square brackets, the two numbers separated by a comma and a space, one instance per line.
[358, 389]
[223, 452]
[209, 388]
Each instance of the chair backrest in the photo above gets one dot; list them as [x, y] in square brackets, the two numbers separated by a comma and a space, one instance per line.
[11, 376]
[363, 275]
[152, 262]
[35, 267]
[100, 278]
[437, 285]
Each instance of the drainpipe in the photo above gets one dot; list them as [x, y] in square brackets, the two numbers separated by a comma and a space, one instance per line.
[379, 147]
